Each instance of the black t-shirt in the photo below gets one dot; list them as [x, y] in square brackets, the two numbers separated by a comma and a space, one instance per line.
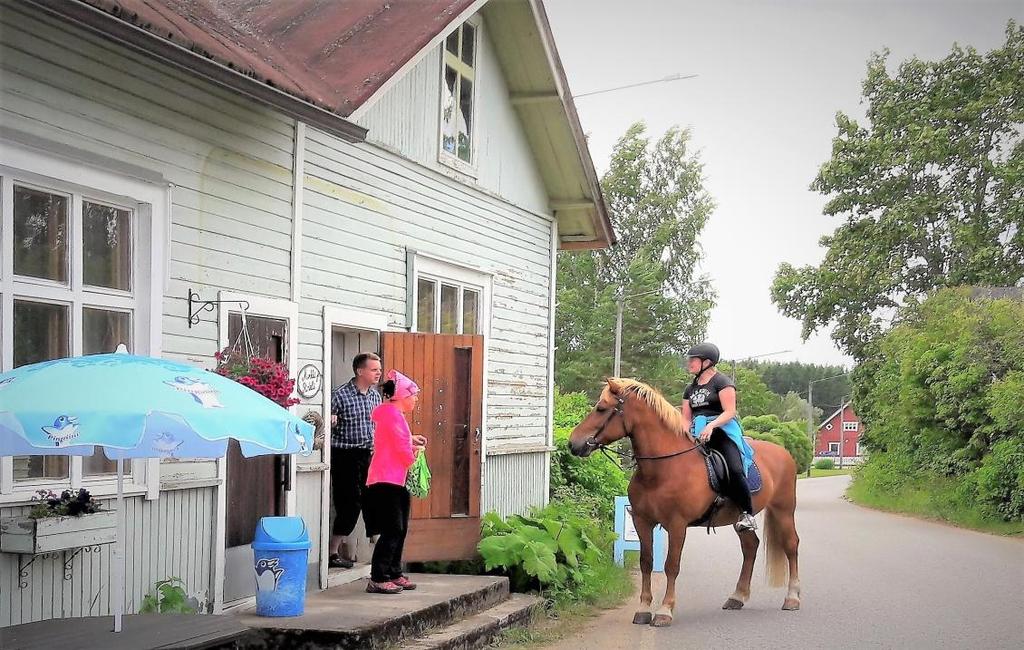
[705, 399]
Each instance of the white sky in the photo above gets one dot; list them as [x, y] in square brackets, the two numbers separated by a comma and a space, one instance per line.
[772, 74]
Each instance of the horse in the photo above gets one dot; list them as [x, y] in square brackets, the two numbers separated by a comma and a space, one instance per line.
[670, 487]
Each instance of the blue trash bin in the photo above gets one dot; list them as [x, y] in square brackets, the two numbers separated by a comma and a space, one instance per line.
[281, 550]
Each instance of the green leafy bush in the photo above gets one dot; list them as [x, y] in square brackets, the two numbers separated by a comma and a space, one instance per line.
[168, 597]
[790, 435]
[940, 396]
[824, 463]
[596, 480]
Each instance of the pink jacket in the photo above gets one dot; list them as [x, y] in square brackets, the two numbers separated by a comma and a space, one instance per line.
[392, 446]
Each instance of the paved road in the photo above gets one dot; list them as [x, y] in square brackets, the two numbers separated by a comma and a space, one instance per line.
[869, 579]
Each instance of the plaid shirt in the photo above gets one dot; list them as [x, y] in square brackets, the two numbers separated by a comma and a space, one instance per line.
[355, 428]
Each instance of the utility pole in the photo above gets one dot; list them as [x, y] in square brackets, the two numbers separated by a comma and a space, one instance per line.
[812, 431]
[620, 304]
[842, 430]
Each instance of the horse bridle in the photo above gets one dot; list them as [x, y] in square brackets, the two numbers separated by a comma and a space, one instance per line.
[620, 402]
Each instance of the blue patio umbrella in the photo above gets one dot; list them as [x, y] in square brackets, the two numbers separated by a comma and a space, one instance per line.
[138, 407]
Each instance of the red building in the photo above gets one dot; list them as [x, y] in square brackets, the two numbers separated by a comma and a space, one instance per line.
[841, 430]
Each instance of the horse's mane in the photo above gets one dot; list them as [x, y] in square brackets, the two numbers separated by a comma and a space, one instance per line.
[669, 414]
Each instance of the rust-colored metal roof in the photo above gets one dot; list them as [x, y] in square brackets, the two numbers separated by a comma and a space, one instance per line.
[332, 53]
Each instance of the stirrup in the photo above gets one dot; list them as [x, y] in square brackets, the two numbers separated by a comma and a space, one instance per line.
[746, 522]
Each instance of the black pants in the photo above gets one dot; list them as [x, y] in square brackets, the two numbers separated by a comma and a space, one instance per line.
[348, 480]
[737, 489]
[387, 514]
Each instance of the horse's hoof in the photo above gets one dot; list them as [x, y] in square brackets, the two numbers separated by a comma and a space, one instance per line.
[791, 605]
[662, 620]
[642, 618]
[732, 603]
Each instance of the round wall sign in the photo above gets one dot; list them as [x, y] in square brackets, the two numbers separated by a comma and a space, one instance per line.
[309, 381]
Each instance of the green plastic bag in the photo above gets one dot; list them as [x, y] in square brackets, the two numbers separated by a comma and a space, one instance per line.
[417, 481]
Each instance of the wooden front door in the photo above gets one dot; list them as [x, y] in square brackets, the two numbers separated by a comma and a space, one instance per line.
[255, 486]
[449, 371]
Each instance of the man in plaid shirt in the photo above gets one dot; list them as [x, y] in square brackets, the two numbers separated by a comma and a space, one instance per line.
[351, 447]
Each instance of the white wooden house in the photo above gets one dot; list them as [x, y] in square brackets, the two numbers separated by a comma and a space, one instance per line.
[362, 175]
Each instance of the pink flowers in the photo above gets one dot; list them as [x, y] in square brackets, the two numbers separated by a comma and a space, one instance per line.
[265, 376]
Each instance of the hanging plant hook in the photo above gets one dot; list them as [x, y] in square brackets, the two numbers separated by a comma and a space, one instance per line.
[197, 306]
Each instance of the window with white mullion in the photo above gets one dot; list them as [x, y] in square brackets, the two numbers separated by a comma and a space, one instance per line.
[458, 92]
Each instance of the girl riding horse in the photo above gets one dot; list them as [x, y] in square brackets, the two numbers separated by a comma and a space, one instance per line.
[670, 488]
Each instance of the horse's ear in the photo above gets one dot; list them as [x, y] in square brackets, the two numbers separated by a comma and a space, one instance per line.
[614, 385]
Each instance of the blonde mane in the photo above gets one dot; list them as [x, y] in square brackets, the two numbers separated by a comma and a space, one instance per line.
[669, 414]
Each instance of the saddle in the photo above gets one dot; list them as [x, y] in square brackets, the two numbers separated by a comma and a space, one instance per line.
[718, 478]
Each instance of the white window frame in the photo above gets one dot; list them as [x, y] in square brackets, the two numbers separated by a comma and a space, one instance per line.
[851, 426]
[860, 449]
[452, 160]
[148, 202]
[453, 274]
[833, 447]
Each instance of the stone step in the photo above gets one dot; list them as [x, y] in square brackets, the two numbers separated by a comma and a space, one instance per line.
[348, 617]
[478, 631]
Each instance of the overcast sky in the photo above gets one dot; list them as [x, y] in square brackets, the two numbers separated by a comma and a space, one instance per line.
[772, 75]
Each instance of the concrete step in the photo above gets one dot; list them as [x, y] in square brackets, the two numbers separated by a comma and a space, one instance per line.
[348, 617]
[478, 631]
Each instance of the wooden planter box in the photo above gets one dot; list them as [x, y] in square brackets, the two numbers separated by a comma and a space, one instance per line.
[33, 536]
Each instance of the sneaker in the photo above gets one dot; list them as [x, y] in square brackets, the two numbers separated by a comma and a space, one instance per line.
[746, 522]
[382, 588]
[338, 562]
[404, 583]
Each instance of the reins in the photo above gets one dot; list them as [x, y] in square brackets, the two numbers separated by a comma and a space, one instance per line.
[605, 449]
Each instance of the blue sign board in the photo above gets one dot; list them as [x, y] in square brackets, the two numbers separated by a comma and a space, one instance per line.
[626, 538]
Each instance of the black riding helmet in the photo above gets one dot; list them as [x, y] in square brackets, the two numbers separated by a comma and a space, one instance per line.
[706, 351]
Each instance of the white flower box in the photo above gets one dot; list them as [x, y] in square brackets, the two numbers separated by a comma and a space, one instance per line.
[28, 536]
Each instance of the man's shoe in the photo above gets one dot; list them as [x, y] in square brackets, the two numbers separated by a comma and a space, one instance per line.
[338, 562]
[382, 588]
[746, 522]
[404, 583]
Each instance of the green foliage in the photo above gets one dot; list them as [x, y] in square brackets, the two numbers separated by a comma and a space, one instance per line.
[929, 192]
[752, 395]
[793, 408]
[658, 206]
[593, 482]
[941, 398]
[68, 504]
[168, 597]
[790, 435]
[553, 550]
[793, 377]
[824, 463]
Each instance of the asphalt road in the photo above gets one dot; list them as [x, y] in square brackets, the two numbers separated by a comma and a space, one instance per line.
[869, 580]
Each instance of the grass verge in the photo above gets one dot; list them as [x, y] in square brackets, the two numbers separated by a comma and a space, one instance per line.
[819, 473]
[936, 499]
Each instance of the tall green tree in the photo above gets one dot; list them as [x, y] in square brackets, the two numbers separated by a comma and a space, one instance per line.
[658, 205]
[792, 377]
[930, 189]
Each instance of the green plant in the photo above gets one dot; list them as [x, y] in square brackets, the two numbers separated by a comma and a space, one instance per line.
[168, 597]
[790, 435]
[68, 504]
[824, 463]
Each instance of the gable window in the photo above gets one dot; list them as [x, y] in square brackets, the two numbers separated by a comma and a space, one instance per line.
[850, 426]
[69, 285]
[458, 83]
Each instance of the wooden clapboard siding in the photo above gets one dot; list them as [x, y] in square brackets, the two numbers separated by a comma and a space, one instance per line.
[406, 119]
[517, 496]
[171, 536]
[229, 159]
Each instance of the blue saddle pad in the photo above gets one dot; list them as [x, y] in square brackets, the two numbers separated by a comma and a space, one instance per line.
[754, 481]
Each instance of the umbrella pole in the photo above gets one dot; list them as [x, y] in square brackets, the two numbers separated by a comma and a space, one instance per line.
[118, 586]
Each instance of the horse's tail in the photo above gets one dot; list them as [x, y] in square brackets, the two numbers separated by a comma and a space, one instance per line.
[776, 562]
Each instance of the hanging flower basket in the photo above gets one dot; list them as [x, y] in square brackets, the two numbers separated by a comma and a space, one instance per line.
[265, 376]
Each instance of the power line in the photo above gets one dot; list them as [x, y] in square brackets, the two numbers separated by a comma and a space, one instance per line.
[671, 77]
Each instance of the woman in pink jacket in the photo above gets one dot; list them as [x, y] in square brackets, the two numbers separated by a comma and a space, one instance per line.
[386, 512]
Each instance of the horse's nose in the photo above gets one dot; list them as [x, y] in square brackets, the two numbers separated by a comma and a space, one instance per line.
[578, 448]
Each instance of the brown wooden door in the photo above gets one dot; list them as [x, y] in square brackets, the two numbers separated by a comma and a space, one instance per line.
[255, 486]
[449, 371]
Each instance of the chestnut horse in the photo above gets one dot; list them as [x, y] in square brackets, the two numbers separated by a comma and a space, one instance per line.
[670, 487]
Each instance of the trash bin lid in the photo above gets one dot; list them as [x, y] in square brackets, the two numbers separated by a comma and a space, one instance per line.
[281, 533]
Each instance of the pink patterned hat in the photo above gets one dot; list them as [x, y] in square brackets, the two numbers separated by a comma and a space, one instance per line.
[404, 387]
